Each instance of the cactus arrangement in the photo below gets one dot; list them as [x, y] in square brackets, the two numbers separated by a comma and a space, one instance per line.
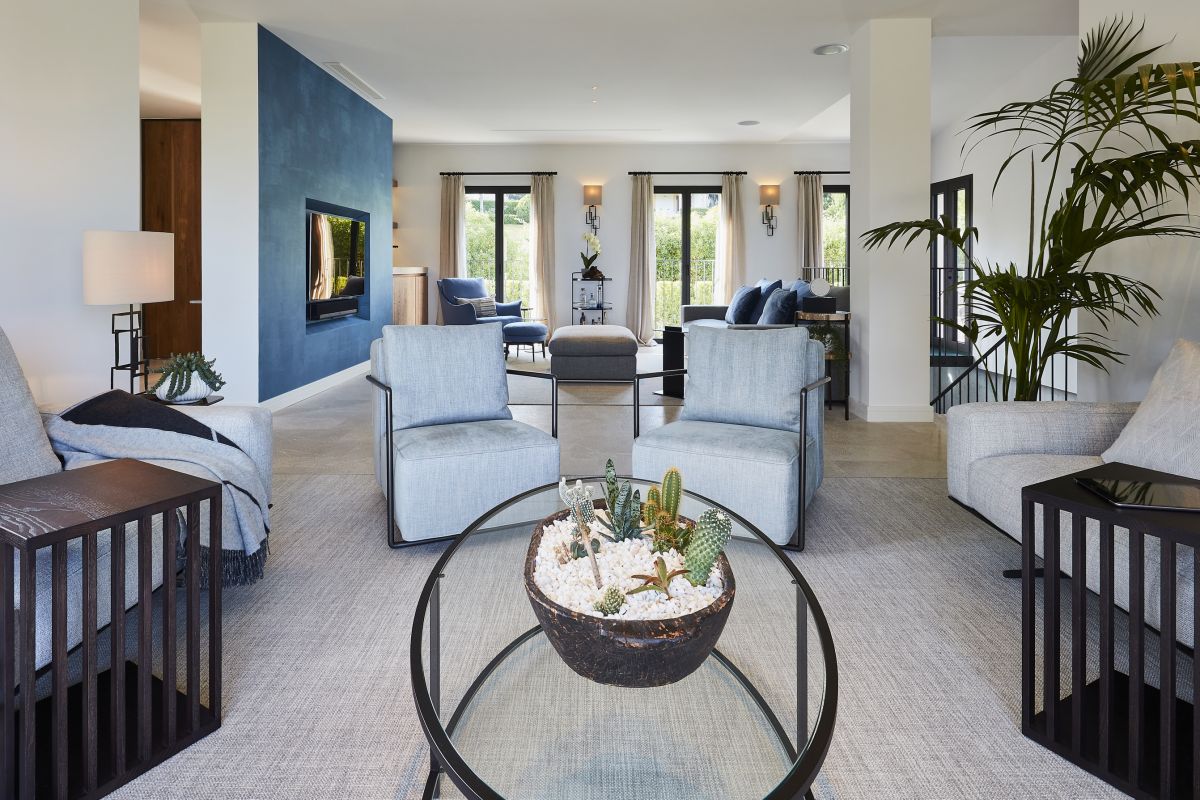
[658, 582]
[661, 512]
[712, 533]
[611, 601]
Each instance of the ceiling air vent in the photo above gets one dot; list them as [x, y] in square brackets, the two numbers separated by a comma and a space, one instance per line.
[351, 79]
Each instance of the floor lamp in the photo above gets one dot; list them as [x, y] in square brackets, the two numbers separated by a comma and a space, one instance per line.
[128, 268]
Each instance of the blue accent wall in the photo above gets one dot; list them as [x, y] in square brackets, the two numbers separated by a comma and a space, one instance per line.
[319, 143]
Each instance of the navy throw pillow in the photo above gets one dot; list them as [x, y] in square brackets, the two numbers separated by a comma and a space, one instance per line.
[765, 289]
[802, 289]
[780, 308]
[742, 306]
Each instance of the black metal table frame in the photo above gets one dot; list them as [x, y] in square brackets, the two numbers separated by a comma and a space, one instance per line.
[1111, 725]
[445, 759]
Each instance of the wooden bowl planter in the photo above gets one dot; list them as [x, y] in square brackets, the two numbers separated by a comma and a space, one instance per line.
[628, 652]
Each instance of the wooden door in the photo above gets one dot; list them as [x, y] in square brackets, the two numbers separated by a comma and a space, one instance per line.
[171, 203]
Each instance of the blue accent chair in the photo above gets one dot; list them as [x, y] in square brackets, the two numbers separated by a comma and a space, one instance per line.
[455, 314]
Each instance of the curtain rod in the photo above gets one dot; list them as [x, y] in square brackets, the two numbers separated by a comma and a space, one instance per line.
[696, 172]
[497, 173]
[821, 172]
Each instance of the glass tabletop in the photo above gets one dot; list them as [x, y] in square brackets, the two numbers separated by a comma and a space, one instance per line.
[507, 718]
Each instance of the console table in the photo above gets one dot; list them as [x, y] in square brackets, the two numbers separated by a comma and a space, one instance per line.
[1118, 726]
[84, 741]
[809, 319]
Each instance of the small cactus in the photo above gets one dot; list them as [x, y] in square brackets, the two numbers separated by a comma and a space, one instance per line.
[670, 534]
[709, 538]
[672, 491]
[651, 507]
[579, 512]
[611, 489]
[612, 600]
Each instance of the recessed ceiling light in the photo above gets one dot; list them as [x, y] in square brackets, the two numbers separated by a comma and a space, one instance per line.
[595, 101]
[831, 49]
[748, 122]
[595, 88]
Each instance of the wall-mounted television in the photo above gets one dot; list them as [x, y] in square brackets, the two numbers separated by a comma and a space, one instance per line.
[337, 267]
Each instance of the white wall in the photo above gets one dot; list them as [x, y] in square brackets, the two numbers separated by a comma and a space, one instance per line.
[1172, 266]
[70, 150]
[417, 198]
[229, 203]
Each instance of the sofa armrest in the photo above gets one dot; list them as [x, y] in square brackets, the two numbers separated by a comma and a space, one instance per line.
[247, 426]
[982, 430]
[458, 313]
[692, 313]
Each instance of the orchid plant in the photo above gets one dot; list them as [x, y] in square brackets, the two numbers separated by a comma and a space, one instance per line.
[591, 243]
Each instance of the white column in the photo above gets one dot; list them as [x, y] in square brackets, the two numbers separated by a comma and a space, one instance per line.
[70, 161]
[890, 167]
[229, 203]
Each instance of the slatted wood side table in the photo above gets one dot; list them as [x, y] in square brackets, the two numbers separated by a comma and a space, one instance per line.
[84, 741]
[1118, 726]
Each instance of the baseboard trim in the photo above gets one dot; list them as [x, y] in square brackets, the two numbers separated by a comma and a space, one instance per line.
[921, 413]
[282, 401]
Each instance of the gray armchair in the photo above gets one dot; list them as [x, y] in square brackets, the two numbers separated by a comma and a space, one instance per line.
[446, 446]
[751, 433]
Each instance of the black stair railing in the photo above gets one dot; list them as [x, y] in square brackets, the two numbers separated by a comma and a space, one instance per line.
[987, 379]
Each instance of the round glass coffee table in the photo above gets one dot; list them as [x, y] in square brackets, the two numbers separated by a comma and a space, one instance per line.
[506, 718]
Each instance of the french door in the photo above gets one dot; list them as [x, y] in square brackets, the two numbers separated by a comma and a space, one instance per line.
[497, 228]
[685, 242]
[948, 266]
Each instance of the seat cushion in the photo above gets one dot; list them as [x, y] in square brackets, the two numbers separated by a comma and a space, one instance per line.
[780, 308]
[1164, 433]
[741, 307]
[747, 377]
[525, 332]
[447, 476]
[753, 472]
[593, 340]
[706, 323]
[995, 485]
[444, 374]
[24, 449]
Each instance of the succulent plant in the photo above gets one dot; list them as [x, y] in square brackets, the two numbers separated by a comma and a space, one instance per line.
[651, 506]
[583, 533]
[658, 582]
[612, 600]
[709, 538]
[611, 489]
[670, 534]
[672, 491]
[178, 370]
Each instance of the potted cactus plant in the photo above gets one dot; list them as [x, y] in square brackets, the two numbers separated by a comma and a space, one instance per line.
[630, 593]
[187, 378]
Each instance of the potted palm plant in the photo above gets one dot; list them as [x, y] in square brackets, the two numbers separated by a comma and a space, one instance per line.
[1116, 172]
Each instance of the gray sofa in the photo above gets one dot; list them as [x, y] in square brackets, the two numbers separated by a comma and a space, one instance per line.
[996, 449]
[713, 316]
[25, 453]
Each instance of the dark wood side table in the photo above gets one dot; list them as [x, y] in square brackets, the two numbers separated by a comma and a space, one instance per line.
[673, 359]
[1136, 737]
[809, 319]
[211, 400]
[124, 720]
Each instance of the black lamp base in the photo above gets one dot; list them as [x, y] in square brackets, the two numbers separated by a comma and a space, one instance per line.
[137, 366]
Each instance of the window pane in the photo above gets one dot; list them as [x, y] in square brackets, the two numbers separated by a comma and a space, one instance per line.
[481, 239]
[516, 250]
[835, 232]
[668, 245]
[705, 217]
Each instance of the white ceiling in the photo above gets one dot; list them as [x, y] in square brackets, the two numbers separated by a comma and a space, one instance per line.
[523, 70]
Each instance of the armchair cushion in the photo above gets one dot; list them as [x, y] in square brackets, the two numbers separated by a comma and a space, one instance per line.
[24, 448]
[752, 471]
[448, 475]
[741, 307]
[1164, 433]
[747, 377]
[442, 375]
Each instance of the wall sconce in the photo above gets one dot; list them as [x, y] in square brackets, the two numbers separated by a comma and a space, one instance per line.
[768, 197]
[591, 198]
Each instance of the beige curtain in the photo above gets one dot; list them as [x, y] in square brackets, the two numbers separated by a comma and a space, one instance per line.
[541, 237]
[322, 245]
[809, 207]
[642, 261]
[452, 260]
[731, 241]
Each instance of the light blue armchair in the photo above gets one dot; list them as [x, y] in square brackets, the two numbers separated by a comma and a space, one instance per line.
[446, 446]
[751, 433]
[453, 313]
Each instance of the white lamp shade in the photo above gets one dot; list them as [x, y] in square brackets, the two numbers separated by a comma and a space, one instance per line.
[592, 194]
[127, 267]
[768, 195]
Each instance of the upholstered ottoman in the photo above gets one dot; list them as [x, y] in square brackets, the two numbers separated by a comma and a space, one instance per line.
[528, 333]
[593, 353]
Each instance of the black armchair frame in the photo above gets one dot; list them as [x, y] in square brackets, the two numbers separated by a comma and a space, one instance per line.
[797, 542]
[395, 537]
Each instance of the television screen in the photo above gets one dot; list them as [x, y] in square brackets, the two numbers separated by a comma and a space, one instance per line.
[336, 267]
